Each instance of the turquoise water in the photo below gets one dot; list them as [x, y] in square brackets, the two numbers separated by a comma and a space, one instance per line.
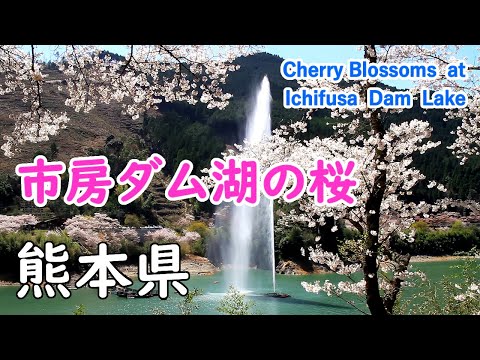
[213, 288]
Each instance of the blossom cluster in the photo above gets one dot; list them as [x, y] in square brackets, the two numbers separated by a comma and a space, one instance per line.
[15, 223]
[88, 76]
[90, 231]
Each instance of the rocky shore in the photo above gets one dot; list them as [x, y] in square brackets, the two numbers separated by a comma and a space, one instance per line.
[426, 258]
[8, 283]
[195, 265]
[290, 267]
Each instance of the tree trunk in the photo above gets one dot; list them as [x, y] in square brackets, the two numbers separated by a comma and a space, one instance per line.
[370, 269]
[402, 262]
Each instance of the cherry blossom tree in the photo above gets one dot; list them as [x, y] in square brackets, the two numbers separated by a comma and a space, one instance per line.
[16, 222]
[467, 142]
[383, 150]
[170, 235]
[145, 77]
[163, 234]
[89, 231]
[190, 237]
[472, 292]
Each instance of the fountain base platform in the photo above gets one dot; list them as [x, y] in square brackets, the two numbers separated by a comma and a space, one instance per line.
[277, 295]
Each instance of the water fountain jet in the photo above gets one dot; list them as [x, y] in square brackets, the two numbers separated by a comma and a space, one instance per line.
[251, 228]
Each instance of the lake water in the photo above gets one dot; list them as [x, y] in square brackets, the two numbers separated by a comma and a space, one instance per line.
[300, 302]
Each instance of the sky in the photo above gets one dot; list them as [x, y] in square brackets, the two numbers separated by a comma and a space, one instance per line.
[309, 53]
[317, 54]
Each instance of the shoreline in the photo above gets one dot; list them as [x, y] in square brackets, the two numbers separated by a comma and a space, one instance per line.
[198, 266]
[8, 283]
[195, 265]
[440, 258]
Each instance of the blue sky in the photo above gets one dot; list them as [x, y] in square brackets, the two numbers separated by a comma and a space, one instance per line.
[319, 53]
[316, 53]
[309, 53]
